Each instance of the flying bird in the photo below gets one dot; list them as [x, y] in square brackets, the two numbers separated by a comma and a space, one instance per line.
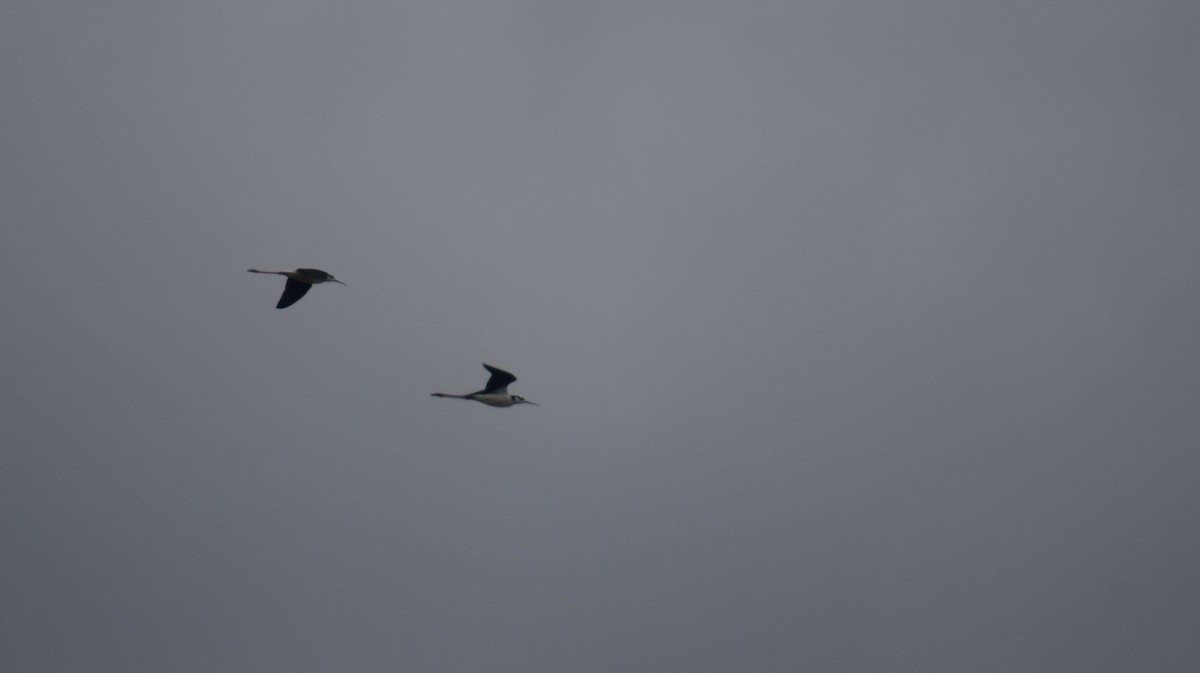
[299, 282]
[495, 393]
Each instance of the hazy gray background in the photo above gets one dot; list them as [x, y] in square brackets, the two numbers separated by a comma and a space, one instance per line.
[865, 334]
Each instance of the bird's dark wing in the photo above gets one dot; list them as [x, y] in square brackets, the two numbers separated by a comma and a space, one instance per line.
[499, 380]
[292, 292]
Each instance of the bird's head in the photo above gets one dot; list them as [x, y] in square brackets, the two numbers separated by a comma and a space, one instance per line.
[517, 399]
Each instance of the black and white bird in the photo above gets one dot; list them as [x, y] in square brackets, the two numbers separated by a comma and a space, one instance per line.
[299, 282]
[495, 393]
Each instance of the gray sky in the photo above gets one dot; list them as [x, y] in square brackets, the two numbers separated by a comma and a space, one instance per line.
[865, 336]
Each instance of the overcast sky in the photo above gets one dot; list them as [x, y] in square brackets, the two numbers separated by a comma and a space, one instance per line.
[865, 336]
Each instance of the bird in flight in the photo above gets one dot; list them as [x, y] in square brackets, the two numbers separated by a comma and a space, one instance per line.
[495, 393]
[299, 282]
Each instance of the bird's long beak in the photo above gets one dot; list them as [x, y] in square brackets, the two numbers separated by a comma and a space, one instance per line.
[338, 281]
[533, 403]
